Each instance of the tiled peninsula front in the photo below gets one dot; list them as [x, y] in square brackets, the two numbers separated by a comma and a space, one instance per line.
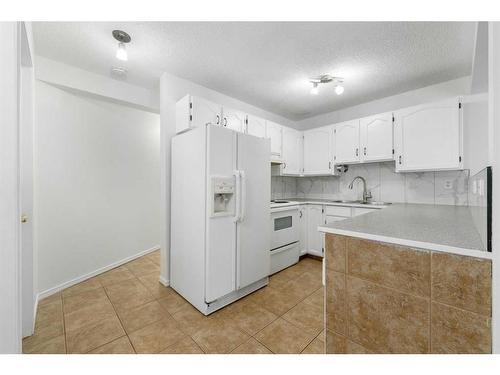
[390, 298]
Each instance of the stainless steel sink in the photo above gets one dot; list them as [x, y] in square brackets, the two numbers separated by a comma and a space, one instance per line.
[375, 203]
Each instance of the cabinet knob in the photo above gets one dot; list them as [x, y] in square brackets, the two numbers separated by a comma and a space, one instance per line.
[399, 159]
[357, 152]
[24, 219]
[364, 151]
[218, 120]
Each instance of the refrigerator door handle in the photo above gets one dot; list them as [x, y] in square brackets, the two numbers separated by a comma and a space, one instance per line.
[237, 190]
[243, 190]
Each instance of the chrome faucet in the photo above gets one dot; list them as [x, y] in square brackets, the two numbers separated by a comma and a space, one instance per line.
[366, 193]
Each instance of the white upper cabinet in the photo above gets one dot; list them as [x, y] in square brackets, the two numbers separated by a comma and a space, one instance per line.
[292, 152]
[256, 126]
[376, 138]
[429, 137]
[193, 111]
[274, 132]
[318, 152]
[233, 119]
[347, 142]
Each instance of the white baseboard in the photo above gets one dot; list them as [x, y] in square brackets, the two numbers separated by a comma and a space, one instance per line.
[35, 309]
[164, 281]
[67, 284]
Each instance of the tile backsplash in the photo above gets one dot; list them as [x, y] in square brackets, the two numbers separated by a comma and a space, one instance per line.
[446, 187]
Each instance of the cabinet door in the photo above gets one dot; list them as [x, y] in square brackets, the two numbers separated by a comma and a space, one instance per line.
[205, 112]
[318, 152]
[347, 142]
[233, 119]
[314, 237]
[292, 152]
[274, 133]
[376, 138]
[428, 137]
[256, 126]
[303, 230]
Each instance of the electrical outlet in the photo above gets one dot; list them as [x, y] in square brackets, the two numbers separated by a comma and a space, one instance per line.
[448, 184]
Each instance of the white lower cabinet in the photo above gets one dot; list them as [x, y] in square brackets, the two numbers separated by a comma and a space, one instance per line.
[312, 216]
[315, 239]
[303, 230]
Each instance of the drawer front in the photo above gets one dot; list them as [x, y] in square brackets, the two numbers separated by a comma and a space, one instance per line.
[338, 211]
[284, 257]
[356, 211]
[330, 219]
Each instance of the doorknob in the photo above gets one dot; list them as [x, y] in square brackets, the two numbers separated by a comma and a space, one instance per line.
[24, 218]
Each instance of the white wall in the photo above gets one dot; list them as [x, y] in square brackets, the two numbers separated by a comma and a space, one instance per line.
[106, 88]
[173, 88]
[10, 312]
[97, 184]
[479, 79]
[457, 87]
[494, 123]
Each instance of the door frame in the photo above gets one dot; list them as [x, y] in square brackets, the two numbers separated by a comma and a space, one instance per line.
[10, 278]
[26, 181]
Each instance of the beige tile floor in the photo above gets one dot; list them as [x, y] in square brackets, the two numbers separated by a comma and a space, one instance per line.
[126, 310]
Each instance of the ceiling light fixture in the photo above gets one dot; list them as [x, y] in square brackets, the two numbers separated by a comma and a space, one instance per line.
[326, 78]
[123, 38]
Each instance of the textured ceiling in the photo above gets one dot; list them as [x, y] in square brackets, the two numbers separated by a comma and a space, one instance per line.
[268, 64]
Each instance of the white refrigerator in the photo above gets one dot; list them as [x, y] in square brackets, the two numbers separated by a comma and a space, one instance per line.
[220, 210]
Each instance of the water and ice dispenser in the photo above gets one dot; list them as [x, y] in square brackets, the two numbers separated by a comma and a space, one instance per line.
[223, 191]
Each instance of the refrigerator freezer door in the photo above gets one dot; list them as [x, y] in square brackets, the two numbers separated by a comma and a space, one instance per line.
[220, 266]
[253, 234]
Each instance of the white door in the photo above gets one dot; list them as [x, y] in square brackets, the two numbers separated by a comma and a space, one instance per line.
[376, 138]
[314, 237]
[318, 151]
[205, 112]
[303, 229]
[347, 142]
[292, 151]
[253, 254]
[428, 137]
[220, 263]
[274, 133]
[256, 126]
[233, 119]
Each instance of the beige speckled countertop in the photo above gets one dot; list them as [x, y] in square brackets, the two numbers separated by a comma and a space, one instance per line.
[432, 227]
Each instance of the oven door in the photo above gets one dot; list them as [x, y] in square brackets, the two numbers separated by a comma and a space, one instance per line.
[284, 226]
